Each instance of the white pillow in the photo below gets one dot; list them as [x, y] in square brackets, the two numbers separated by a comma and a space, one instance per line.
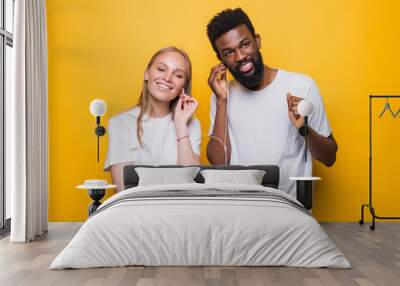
[162, 176]
[248, 177]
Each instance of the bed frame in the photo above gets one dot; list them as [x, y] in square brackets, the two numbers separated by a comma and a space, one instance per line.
[270, 179]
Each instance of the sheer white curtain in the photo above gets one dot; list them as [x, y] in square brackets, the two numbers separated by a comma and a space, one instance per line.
[27, 124]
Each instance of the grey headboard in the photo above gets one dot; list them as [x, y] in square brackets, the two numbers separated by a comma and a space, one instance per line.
[270, 179]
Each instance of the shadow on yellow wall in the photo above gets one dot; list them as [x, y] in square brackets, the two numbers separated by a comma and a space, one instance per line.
[99, 49]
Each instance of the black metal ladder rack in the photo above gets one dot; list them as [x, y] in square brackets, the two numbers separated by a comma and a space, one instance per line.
[369, 205]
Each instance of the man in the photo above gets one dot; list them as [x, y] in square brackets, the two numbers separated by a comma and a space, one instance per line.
[260, 106]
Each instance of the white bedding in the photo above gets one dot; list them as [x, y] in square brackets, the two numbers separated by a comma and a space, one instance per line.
[182, 231]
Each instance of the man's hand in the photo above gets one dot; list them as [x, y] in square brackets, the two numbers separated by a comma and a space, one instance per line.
[294, 116]
[218, 82]
[218, 153]
[322, 149]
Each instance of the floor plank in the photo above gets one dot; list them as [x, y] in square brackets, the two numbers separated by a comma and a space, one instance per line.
[375, 257]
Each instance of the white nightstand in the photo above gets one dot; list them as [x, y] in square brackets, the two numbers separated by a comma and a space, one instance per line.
[97, 190]
[305, 190]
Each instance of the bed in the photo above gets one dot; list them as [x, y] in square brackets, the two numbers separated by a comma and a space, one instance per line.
[198, 224]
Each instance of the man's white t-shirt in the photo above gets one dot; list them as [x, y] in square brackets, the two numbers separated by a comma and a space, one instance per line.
[261, 132]
[159, 139]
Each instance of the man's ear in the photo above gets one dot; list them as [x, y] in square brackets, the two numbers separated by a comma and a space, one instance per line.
[258, 40]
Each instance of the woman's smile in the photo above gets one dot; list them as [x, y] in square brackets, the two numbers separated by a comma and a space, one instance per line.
[163, 86]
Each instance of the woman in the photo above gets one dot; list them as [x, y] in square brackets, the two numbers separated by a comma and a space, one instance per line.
[159, 130]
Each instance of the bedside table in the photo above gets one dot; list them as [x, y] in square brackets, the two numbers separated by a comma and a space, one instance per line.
[97, 190]
[305, 190]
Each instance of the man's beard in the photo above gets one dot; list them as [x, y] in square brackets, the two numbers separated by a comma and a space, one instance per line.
[253, 80]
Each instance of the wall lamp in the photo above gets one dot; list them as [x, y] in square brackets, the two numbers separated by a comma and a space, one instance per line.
[98, 108]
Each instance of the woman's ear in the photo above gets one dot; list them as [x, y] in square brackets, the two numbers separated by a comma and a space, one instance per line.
[146, 75]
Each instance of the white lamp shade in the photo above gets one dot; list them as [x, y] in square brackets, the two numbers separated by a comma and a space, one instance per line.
[305, 107]
[98, 107]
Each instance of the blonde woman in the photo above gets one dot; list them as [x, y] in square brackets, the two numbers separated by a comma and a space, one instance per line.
[160, 129]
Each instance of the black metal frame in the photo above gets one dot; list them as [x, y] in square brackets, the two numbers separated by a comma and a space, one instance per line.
[6, 39]
[5, 231]
[2, 98]
[369, 205]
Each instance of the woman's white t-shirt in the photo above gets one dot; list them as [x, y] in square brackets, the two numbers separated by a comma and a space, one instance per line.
[158, 139]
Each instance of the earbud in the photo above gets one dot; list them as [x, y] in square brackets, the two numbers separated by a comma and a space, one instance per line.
[305, 107]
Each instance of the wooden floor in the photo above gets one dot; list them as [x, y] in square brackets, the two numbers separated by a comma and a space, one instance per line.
[375, 256]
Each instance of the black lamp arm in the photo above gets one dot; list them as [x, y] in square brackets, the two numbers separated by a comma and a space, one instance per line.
[100, 131]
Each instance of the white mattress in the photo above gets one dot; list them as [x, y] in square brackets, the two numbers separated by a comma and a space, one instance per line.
[183, 231]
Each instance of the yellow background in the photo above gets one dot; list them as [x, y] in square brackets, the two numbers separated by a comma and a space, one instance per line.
[99, 49]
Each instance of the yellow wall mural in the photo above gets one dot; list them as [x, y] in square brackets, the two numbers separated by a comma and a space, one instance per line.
[99, 49]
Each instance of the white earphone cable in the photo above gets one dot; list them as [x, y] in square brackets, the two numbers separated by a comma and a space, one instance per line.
[223, 143]
[226, 118]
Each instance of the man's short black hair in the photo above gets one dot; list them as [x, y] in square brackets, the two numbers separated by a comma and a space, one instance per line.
[225, 21]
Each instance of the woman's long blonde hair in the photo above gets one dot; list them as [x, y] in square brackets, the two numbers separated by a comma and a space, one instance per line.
[143, 102]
